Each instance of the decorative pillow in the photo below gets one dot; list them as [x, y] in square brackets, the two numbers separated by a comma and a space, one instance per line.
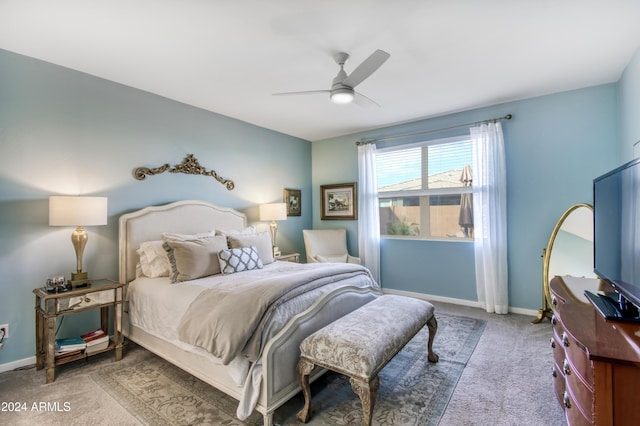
[232, 232]
[334, 258]
[194, 258]
[261, 241]
[187, 237]
[153, 259]
[239, 259]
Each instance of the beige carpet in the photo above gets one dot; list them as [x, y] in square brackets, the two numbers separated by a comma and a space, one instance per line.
[506, 381]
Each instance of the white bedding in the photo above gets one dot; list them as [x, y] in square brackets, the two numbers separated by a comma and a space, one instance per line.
[157, 306]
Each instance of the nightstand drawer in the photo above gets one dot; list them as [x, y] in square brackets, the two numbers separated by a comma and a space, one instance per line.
[87, 301]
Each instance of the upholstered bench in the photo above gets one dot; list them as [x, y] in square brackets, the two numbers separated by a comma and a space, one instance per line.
[362, 342]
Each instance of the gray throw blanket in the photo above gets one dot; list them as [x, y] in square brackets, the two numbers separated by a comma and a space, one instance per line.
[228, 320]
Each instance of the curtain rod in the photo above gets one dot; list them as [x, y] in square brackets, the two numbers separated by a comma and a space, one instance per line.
[364, 142]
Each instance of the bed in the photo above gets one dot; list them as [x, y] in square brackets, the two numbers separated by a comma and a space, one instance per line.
[261, 376]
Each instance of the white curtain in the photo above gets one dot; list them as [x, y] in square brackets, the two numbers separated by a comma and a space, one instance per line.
[490, 217]
[368, 210]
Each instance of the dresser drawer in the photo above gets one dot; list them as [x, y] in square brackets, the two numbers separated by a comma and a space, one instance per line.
[559, 385]
[557, 324]
[558, 352]
[581, 395]
[578, 358]
[572, 413]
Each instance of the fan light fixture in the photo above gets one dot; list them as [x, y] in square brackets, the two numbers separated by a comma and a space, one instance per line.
[342, 96]
[343, 85]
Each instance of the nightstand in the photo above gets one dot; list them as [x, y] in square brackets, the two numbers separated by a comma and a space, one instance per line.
[49, 306]
[289, 257]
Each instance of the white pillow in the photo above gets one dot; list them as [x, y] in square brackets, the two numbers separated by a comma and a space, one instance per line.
[261, 241]
[153, 259]
[186, 237]
[233, 232]
[193, 259]
[239, 259]
[335, 258]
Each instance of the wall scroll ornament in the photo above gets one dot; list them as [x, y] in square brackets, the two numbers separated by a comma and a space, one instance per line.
[189, 165]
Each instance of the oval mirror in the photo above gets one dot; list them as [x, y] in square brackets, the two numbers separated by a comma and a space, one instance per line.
[569, 252]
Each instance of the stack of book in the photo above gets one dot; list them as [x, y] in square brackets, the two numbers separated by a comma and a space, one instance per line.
[96, 340]
[70, 346]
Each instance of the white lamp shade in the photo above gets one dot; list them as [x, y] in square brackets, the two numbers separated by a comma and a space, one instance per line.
[77, 211]
[274, 211]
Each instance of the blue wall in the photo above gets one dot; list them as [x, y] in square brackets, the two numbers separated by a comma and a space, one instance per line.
[555, 146]
[64, 132]
[629, 96]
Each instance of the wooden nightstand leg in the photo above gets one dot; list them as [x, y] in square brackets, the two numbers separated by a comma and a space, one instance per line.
[117, 329]
[40, 354]
[50, 354]
[104, 319]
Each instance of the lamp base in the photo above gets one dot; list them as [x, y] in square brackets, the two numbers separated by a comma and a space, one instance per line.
[79, 279]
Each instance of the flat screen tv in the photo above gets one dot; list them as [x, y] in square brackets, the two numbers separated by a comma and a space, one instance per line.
[616, 205]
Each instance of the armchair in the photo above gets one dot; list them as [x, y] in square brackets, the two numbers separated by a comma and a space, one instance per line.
[327, 245]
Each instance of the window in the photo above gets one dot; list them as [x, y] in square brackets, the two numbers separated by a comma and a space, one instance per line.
[424, 189]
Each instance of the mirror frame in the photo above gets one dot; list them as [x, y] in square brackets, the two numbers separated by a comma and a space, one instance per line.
[547, 255]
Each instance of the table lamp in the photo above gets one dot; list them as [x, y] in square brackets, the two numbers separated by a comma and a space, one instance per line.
[78, 212]
[273, 212]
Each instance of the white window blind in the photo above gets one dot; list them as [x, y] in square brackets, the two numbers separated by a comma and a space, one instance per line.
[421, 189]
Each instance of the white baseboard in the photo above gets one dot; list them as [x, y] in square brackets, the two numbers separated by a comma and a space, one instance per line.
[17, 364]
[453, 301]
[523, 311]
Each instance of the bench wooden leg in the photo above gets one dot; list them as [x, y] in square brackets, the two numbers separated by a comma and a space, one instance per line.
[432, 325]
[367, 392]
[303, 370]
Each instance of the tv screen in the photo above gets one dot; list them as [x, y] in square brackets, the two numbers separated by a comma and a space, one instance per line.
[616, 204]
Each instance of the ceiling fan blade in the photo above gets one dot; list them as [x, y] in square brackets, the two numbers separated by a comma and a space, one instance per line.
[365, 69]
[307, 92]
[364, 101]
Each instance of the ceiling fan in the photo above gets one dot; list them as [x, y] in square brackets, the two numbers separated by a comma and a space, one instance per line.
[342, 88]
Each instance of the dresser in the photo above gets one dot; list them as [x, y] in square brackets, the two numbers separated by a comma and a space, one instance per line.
[596, 371]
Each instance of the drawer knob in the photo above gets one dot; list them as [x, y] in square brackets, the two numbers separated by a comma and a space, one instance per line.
[566, 399]
[554, 301]
[565, 340]
[554, 320]
[554, 373]
[566, 367]
[553, 343]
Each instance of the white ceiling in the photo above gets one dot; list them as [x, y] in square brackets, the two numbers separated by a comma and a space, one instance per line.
[231, 56]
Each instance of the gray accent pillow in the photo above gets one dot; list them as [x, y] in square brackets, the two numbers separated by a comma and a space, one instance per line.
[193, 259]
[239, 259]
[261, 241]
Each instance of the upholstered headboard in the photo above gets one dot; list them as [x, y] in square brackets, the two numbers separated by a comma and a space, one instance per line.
[185, 217]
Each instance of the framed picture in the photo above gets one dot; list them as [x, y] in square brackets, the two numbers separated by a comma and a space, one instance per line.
[293, 200]
[339, 202]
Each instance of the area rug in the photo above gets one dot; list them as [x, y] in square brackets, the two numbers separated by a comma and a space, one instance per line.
[412, 390]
